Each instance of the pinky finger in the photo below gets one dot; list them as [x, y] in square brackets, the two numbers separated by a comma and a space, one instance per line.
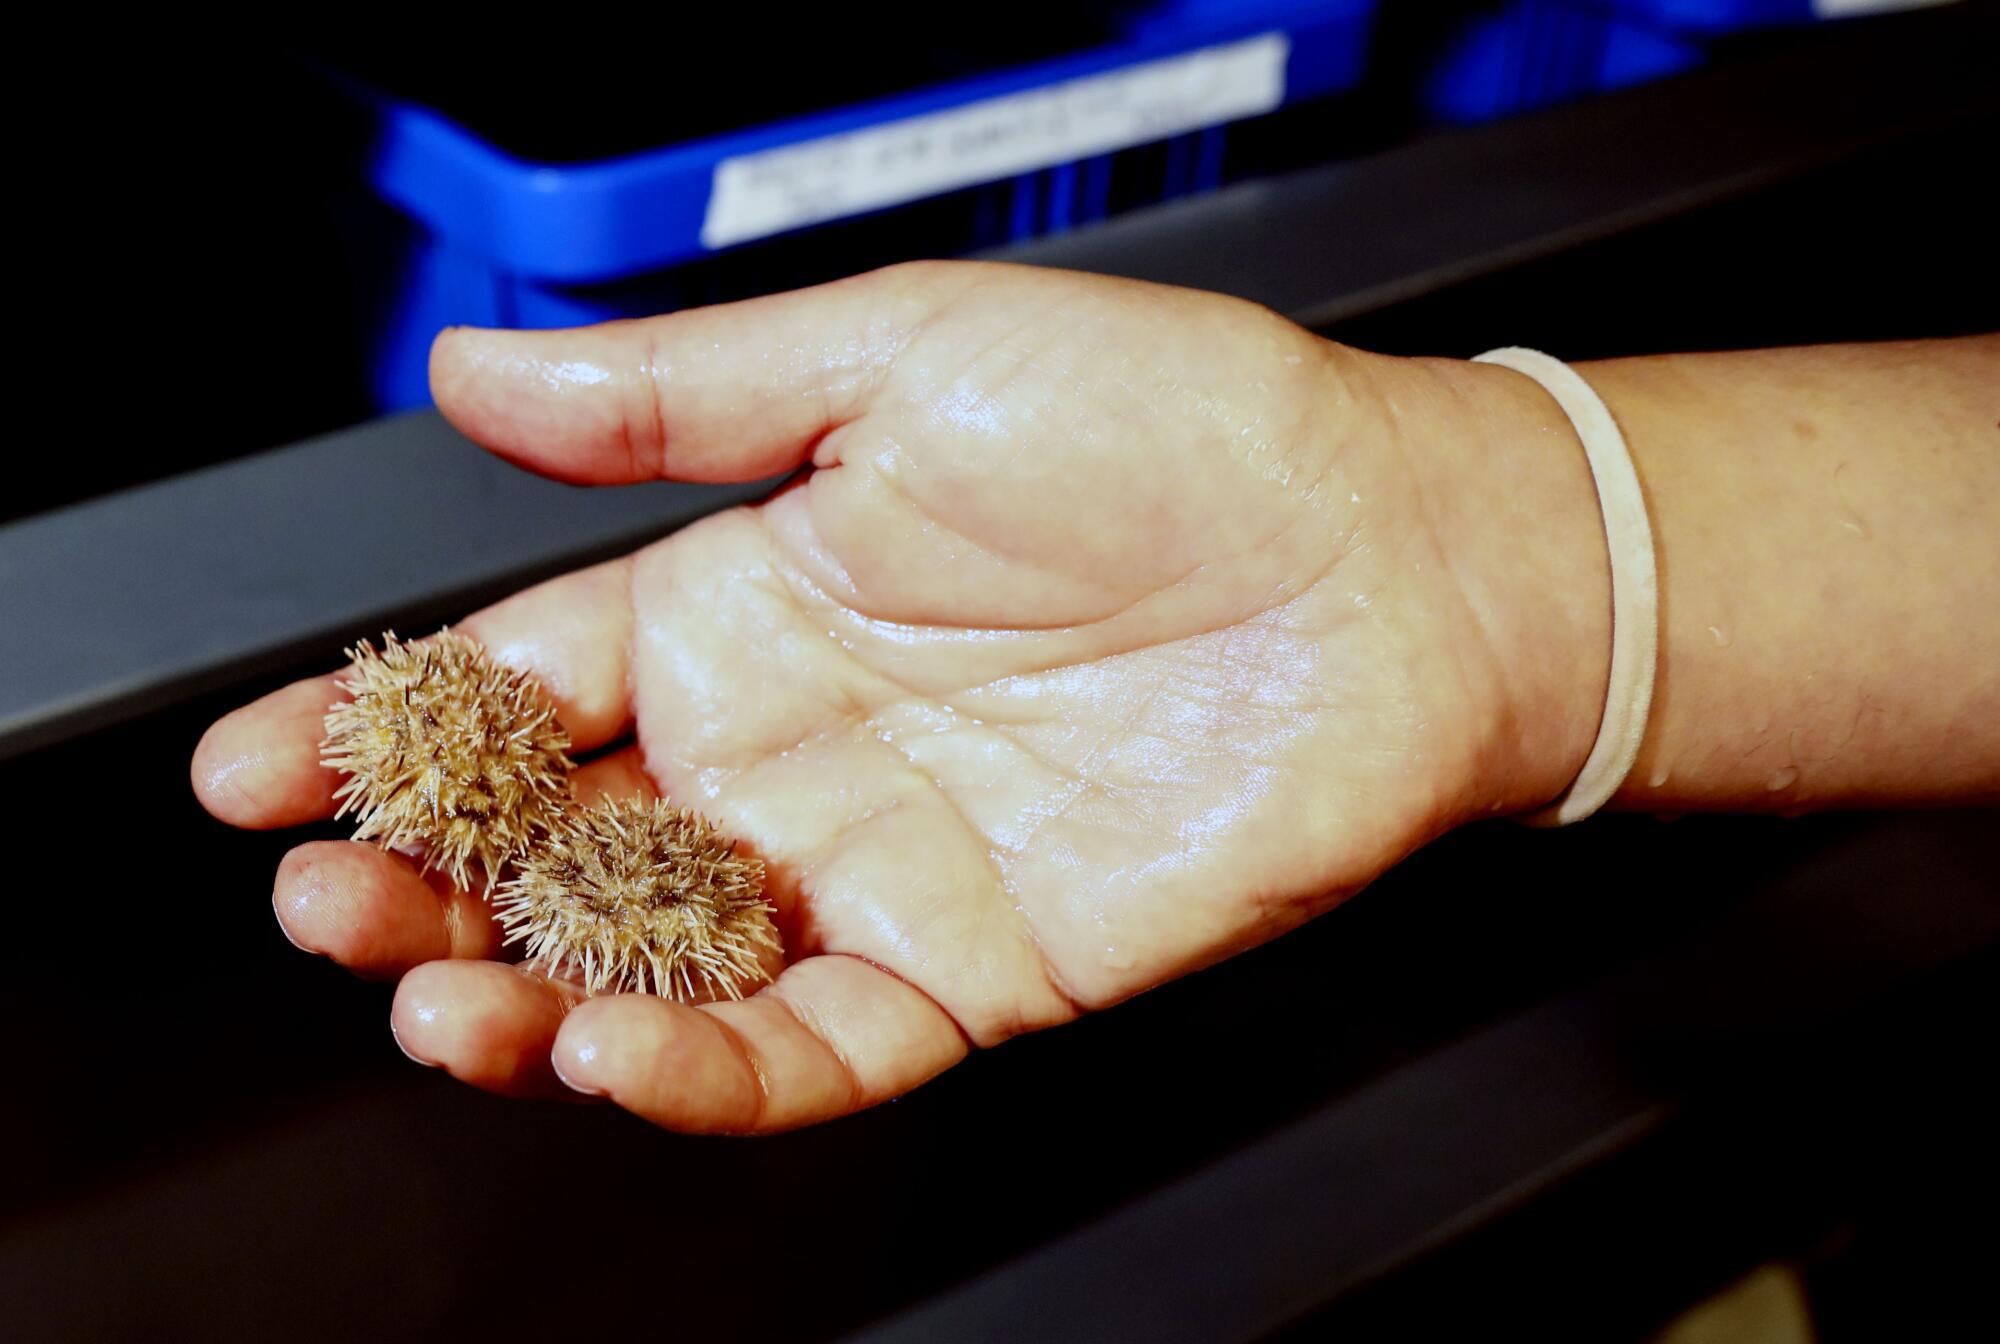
[484, 1023]
[832, 1036]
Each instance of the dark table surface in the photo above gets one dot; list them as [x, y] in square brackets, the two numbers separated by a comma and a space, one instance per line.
[211, 1134]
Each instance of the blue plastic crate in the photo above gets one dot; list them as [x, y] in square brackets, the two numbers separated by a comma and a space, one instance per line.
[482, 237]
[1717, 17]
[1711, 16]
[1534, 53]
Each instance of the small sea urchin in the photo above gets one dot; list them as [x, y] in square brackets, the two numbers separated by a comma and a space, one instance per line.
[447, 748]
[646, 897]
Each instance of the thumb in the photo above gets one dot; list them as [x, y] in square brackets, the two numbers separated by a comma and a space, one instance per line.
[735, 392]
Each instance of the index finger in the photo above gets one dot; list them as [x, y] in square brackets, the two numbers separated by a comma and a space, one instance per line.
[259, 767]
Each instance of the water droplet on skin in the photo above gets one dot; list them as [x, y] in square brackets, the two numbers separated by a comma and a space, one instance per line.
[1354, 498]
[1117, 960]
[1295, 359]
[1721, 636]
[1782, 779]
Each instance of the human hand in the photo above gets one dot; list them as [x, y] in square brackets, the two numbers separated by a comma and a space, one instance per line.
[1114, 629]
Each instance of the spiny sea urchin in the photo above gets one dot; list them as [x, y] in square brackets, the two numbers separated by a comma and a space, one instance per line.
[446, 747]
[643, 897]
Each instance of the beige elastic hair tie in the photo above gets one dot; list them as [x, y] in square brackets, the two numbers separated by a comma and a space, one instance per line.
[1635, 586]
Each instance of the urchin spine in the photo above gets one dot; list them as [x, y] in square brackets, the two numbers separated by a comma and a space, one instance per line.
[643, 897]
[447, 748]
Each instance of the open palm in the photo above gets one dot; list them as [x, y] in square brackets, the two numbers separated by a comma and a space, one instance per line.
[1115, 629]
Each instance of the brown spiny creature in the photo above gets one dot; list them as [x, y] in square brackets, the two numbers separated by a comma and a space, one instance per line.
[642, 896]
[446, 748]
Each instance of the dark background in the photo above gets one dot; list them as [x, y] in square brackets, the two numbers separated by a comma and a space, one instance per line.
[195, 288]
[197, 193]
[210, 1135]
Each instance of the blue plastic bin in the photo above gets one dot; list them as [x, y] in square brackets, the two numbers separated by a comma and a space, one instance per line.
[485, 238]
[1533, 53]
[1717, 17]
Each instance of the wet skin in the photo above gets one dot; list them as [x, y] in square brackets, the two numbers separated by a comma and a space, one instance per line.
[1114, 629]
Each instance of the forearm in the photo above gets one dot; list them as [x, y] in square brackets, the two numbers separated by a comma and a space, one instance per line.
[1827, 525]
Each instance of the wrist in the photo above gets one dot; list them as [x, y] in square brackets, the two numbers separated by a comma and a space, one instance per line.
[1516, 516]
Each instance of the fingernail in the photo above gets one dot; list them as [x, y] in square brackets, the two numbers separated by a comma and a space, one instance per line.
[408, 1054]
[284, 929]
[585, 1055]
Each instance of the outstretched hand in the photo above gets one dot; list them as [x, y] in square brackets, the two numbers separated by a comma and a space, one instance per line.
[1114, 629]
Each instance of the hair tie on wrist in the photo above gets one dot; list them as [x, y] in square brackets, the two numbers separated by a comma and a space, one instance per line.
[1635, 586]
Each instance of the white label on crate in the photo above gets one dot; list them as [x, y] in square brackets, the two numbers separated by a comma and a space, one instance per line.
[1847, 9]
[756, 195]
